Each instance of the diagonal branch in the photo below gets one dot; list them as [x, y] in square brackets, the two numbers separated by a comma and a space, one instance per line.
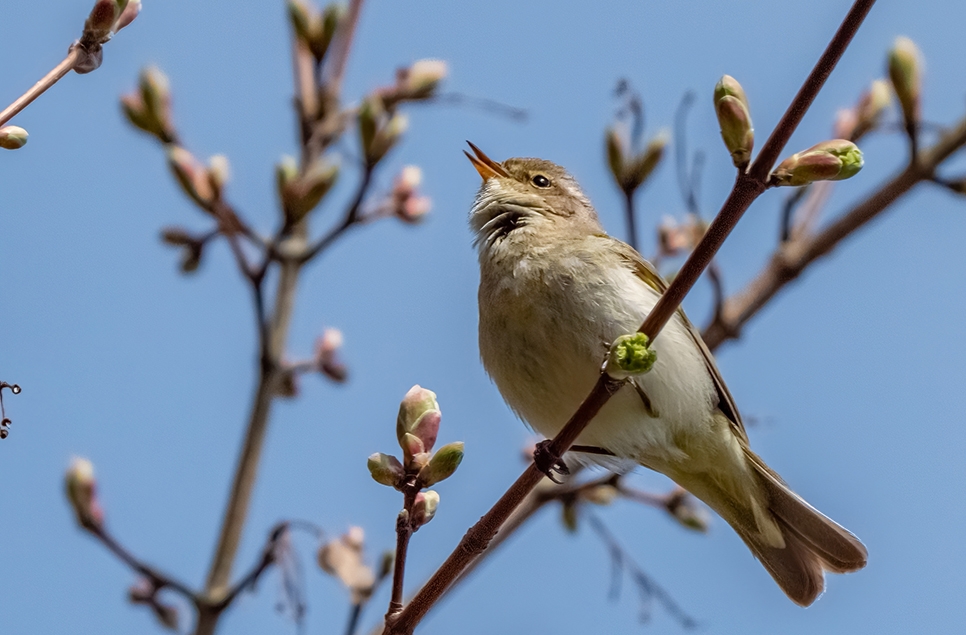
[38, 89]
[747, 188]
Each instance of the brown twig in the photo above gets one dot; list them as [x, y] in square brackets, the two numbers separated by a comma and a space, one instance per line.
[273, 339]
[790, 259]
[38, 89]
[747, 187]
[630, 216]
[404, 531]
[157, 579]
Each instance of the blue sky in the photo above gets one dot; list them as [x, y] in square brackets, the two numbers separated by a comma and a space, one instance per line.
[855, 371]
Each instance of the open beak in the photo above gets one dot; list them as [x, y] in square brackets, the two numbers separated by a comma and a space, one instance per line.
[487, 167]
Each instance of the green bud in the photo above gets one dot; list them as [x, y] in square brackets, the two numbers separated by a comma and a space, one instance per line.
[833, 160]
[419, 416]
[370, 112]
[424, 508]
[219, 171]
[615, 155]
[870, 108]
[385, 469]
[905, 71]
[301, 194]
[637, 171]
[286, 171]
[442, 465]
[128, 13]
[386, 137]
[191, 176]
[734, 119]
[301, 15]
[13, 137]
[629, 355]
[331, 18]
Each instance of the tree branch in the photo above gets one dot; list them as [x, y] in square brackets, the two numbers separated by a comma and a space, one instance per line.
[748, 186]
[791, 258]
[38, 89]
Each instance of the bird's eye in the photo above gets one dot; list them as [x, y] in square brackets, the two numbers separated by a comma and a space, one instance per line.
[540, 180]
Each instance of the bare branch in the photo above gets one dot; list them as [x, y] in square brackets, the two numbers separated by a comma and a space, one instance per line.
[38, 89]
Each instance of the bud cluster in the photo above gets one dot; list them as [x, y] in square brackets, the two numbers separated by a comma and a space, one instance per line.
[300, 193]
[149, 107]
[315, 29]
[417, 426]
[629, 355]
[380, 128]
[202, 183]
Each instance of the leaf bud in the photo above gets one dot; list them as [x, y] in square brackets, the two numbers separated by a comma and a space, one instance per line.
[833, 160]
[616, 154]
[81, 488]
[442, 465]
[734, 119]
[420, 80]
[419, 417]
[191, 175]
[386, 137]
[905, 72]
[872, 104]
[128, 14]
[424, 508]
[303, 193]
[629, 355]
[99, 25]
[385, 469]
[641, 167]
[687, 511]
[12, 137]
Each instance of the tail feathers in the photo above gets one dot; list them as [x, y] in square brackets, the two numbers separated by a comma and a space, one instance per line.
[839, 550]
[795, 542]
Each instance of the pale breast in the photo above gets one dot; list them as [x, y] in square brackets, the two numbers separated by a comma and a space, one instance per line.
[544, 331]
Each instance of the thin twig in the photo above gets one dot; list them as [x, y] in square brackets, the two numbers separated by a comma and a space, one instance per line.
[747, 187]
[629, 215]
[351, 218]
[158, 579]
[48, 80]
[404, 531]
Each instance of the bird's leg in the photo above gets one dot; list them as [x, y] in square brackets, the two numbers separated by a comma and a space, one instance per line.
[549, 462]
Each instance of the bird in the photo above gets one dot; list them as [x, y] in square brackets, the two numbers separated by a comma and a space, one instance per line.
[555, 291]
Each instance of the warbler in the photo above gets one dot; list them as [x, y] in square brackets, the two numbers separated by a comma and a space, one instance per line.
[555, 291]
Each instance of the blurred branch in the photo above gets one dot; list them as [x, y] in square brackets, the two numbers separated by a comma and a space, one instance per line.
[38, 89]
[791, 258]
[157, 579]
[747, 188]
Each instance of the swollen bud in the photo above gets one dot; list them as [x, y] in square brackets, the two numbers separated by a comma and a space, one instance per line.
[420, 80]
[424, 508]
[301, 194]
[128, 14]
[81, 491]
[828, 161]
[637, 171]
[12, 137]
[442, 465]
[419, 417]
[629, 355]
[191, 175]
[905, 71]
[385, 469]
[686, 510]
[100, 23]
[149, 108]
[872, 104]
[615, 154]
[386, 137]
[734, 118]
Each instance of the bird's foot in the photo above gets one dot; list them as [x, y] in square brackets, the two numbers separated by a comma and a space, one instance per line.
[548, 462]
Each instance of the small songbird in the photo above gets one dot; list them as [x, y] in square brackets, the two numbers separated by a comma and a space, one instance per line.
[555, 291]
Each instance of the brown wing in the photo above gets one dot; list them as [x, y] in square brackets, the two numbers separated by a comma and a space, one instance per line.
[646, 272]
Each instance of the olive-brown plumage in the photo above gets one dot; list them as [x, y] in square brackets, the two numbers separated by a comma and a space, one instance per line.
[555, 290]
